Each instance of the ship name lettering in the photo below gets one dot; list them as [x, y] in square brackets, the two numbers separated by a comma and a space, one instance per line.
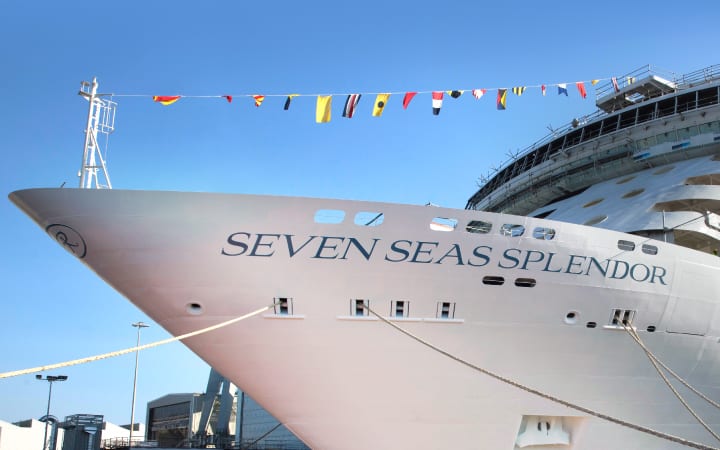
[267, 245]
[515, 258]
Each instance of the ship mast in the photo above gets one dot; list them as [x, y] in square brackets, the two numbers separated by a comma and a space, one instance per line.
[101, 120]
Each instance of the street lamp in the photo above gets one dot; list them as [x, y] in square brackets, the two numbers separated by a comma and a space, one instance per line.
[50, 379]
[138, 325]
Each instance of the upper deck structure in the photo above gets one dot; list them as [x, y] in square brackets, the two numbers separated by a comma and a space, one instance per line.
[582, 173]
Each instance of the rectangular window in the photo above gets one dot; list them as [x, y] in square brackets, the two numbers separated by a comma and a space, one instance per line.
[359, 307]
[283, 306]
[445, 310]
[400, 308]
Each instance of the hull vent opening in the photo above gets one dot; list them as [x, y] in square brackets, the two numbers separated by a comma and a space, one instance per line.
[620, 317]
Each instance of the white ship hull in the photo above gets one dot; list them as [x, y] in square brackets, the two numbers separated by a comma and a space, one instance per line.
[346, 381]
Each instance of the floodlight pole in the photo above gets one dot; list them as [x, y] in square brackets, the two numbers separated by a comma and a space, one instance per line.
[138, 325]
[49, 379]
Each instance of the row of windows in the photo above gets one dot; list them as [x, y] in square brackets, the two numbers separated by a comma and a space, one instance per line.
[649, 111]
[400, 309]
[446, 310]
[335, 216]
[629, 246]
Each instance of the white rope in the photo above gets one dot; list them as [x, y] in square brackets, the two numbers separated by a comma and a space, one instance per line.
[655, 364]
[131, 349]
[670, 371]
[541, 394]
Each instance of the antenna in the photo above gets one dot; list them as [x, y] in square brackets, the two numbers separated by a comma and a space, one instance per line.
[100, 120]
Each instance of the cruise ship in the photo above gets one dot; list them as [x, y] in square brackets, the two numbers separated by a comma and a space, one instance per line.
[572, 305]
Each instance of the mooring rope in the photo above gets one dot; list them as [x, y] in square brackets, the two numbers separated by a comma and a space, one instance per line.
[615, 420]
[671, 372]
[132, 349]
[656, 364]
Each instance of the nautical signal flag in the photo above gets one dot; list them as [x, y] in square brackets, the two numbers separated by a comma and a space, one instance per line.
[518, 90]
[502, 99]
[228, 98]
[437, 99]
[350, 104]
[166, 99]
[615, 84]
[478, 93]
[408, 97]
[288, 100]
[562, 89]
[455, 94]
[543, 89]
[581, 88]
[258, 99]
[322, 110]
[380, 102]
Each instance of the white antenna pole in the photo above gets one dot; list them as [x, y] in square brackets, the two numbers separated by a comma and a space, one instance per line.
[100, 119]
[84, 170]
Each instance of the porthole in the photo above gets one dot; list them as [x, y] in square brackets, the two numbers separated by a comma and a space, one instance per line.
[625, 180]
[194, 309]
[493, 280]
[663, 170]
[525, 282]
[591, 324]
[511, 229]
[593, 203]
[649, 249]
[329, 216]
[547, 234]
[369, 219]
[634, 193]
[627, 246]
[443, 224]
[651, 328]
[571, 317]
[595, 220]
[478, 226]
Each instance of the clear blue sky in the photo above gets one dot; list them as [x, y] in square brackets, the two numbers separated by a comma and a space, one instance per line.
[54, 309]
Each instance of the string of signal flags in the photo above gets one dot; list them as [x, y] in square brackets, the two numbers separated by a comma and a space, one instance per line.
[323, 108]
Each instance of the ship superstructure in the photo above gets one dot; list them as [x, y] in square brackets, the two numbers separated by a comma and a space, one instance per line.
[645, 163]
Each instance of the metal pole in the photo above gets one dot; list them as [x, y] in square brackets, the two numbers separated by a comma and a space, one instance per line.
[242, 416]
[88, 132]
[47, 416]
[139, 325]
[49, 379]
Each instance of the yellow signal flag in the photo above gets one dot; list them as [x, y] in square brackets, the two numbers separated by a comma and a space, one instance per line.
[594, 82]
[323, 108]
[379, 106]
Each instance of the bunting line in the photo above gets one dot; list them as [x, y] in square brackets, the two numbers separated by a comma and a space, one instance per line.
[390, 93]
[323, 105]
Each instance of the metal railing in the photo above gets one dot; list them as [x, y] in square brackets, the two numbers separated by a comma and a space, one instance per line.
[489, 183]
